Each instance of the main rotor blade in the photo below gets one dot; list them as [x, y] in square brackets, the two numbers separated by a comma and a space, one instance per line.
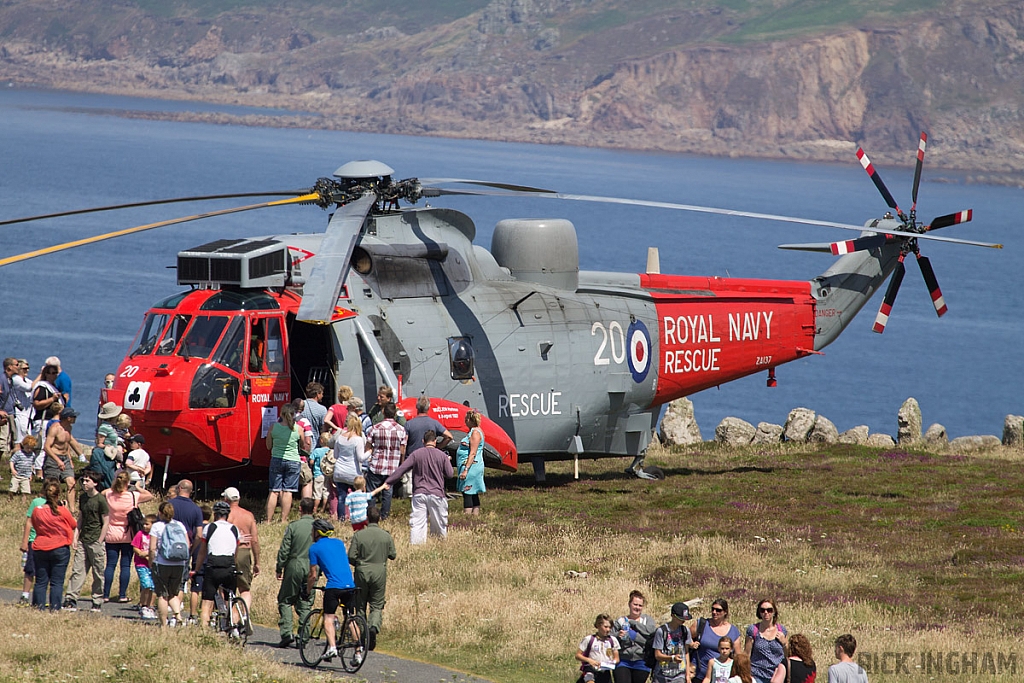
[922, 143]
[930, 281]
[890, 297]
[330, 270]
[877, 180]
[153, 202]
[484, 183]
[951, 219]
[307, 198]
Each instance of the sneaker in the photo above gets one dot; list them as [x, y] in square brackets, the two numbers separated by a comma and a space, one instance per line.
[172, 622]
[96, 608]
[25, 601]
[149, 613]
[192, 621]
[70, 606]
[330, 653]
[357, 658]
[234, 635]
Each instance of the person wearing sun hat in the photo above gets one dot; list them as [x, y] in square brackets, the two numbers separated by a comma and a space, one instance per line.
[108, 413]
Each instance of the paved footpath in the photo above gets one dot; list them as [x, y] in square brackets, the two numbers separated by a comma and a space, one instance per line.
[378, 668]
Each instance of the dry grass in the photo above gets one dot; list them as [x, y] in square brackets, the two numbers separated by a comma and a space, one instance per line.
[912, 552]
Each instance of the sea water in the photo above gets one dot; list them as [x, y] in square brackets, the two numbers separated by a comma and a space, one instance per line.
[63, 151]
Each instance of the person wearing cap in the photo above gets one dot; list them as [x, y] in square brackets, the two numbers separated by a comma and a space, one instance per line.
[22, 401]
[672, 647]
[357, 407]
[292, 569]
[63, 380]
[58, 447]
[217, 558]
[248, 558]
[137, 462]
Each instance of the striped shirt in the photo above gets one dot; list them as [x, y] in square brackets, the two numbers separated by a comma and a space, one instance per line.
[357, 502]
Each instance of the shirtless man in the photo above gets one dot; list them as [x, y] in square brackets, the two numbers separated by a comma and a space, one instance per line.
[58, 447]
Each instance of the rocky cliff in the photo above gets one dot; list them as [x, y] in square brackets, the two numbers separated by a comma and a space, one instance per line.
[535, 70]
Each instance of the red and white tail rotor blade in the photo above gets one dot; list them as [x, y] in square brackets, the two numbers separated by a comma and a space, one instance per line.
[951, 219]
[938, 301]
[922, 143]
[877, 180]
[882, 319]
[859, 244]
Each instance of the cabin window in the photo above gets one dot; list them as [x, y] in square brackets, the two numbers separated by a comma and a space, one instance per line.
[202, 336]
[152, 326]
[173, 335]
[229, 353]
[229, 300]
[212, 387]
[275, 346]
[460, 353]
[172, 301]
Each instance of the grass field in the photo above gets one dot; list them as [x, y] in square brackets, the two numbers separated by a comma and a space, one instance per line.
[920, 555]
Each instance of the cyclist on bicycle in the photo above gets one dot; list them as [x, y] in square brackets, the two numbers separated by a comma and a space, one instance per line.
[217, 552]
[329, 556]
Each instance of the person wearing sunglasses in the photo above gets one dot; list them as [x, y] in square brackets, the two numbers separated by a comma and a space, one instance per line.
[707, 633]
[765, 643]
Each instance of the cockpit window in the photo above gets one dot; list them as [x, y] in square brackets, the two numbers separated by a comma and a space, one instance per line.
[212, 387]
[173, 335]
[229, 352]
[202, 336]
[240, 301]
[172, 301]
[152, 326]
[460, 353]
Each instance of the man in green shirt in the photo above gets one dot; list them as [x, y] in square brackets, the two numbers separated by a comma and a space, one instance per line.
[368, 552]
[90, 549]
[292, 570]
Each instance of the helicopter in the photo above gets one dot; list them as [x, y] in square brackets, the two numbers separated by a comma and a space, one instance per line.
[561, 361]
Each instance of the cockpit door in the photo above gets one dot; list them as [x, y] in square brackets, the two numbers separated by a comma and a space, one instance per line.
[266, 377]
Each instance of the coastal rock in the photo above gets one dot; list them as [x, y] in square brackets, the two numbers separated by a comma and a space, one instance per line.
[678, 427]
[767, 433]
[858, 435]
[880, 441]
[909, 423]
[798, 425]
[732, 431]
[1013, 431]
[936, 435]
[974, 443]
[823, 431]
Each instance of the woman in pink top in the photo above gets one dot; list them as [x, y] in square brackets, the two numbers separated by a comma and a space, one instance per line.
[119, 537]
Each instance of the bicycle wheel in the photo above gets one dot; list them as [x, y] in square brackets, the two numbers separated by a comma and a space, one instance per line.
[312, 641]
[352, 647]
[240, 620]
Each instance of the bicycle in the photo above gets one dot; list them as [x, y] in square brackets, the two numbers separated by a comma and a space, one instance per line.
[352, 638]
[231, 615]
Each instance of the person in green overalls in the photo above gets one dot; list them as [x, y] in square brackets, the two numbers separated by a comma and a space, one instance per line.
[368, 552]
[292, 570]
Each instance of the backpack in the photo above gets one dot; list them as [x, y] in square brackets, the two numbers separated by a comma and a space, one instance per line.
[174, 542]
[135, 518]
[649, 660]
[327, 464]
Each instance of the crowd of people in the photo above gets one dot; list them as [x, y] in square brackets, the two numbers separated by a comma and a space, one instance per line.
[633, 648]
[341, 461]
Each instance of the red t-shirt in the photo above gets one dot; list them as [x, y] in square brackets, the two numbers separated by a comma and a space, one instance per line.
[339, 413]
[53, 530]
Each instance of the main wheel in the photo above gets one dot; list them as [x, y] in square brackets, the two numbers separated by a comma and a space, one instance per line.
[240, 620]
[312, 641]
[353, 642]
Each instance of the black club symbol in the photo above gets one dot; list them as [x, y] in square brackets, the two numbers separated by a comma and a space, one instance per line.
[135, 396]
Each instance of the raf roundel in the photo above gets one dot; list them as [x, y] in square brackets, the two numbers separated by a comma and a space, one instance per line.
[639, 350]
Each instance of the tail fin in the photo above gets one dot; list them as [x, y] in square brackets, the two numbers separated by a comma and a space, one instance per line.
[842, 290]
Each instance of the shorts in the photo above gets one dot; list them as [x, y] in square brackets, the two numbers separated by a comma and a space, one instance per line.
[356, 526]
[218, 577]
[284, 475]
[196, 584]
[243, 561]
[51, 471]
[338, 596]
[145, 577]
[320, 491]
[30, 562]
[167, 579]
[21, 484]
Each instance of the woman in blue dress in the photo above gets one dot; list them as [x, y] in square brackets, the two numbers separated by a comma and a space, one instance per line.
[470, 463]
